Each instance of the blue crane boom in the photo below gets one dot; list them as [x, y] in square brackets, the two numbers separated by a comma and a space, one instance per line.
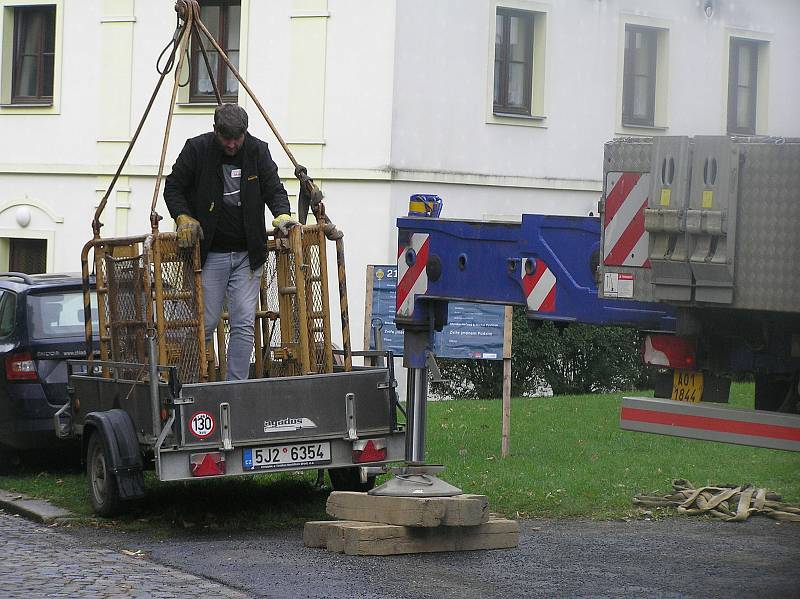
[548, 264]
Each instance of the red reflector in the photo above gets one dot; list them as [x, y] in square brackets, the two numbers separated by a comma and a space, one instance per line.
[668, 350]
[207, 464]
[20, 367]
[370, 453]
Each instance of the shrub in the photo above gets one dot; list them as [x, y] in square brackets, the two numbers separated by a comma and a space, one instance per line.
[569, 359]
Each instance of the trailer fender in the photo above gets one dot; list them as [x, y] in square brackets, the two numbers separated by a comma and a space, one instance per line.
[121, 444]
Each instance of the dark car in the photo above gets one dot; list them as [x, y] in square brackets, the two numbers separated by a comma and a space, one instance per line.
[41, 327]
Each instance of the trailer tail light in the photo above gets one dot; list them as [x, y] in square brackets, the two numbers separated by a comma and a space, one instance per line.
[207, 464]
[21, 367]
[669, 351]
[373, 450]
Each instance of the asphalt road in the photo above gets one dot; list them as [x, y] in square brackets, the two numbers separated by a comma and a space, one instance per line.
[40, 562]
[673, 557]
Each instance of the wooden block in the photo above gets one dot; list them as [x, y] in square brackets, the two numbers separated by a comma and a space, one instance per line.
[461, 510]
[387, 539]
[336, 534]
[315, 533]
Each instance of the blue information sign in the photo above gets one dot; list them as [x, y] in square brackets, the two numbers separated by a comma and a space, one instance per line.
[473, 330]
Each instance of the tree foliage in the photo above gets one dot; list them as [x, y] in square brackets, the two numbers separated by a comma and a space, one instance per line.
[575, 358]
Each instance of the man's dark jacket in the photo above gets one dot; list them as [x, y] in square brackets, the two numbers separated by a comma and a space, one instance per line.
[195, 187]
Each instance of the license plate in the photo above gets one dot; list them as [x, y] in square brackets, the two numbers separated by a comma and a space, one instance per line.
[687, 385]
[281, 456]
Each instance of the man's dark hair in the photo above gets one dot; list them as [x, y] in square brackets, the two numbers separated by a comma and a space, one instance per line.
[230, 121]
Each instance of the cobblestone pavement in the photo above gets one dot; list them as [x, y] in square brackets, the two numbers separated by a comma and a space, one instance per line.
[39, 562]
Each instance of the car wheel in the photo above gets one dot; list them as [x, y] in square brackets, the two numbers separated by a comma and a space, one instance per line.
[103, 491]
[349, 479]
[10, 461]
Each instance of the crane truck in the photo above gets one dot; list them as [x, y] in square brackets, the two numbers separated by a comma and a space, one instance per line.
[695, 245]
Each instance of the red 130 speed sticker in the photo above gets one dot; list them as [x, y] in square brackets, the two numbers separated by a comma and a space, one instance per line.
[202, 425]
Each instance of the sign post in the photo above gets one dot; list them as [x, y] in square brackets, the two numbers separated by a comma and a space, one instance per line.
[507, 326]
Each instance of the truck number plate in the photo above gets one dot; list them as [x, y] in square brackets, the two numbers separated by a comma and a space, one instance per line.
[281, 456]
[687, 385]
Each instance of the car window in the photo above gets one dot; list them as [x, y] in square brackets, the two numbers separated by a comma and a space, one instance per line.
[53, 315]
[8, 305]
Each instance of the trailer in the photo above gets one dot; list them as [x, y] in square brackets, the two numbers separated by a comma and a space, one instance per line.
[156, 397]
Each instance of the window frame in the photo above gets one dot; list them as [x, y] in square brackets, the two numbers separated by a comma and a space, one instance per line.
[529, 18]
[198, 65]
[628, 118]
[733, 84]
[50, 12]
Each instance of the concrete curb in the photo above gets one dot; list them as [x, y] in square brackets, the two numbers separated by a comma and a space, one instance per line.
[33, 509]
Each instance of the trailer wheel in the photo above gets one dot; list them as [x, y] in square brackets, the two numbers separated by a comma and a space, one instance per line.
[10, 461]
[349, 479]
[103, 491]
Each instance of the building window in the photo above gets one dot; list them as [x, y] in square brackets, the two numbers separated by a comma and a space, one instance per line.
[513, 61]
[639, 76]
[34, 54]
[27, 255]
[223, 20]
[742, 86]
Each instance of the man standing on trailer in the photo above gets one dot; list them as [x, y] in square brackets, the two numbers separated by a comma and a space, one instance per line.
[217, 192]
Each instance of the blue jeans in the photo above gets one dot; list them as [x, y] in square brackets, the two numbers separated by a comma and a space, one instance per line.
[228, 273]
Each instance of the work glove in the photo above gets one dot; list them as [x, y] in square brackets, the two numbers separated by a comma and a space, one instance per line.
[189, 231]
[284, 222]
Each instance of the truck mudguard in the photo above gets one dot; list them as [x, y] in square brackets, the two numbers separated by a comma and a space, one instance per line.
[122, 449]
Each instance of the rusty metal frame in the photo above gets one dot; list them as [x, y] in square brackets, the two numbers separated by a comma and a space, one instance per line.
[146, 258]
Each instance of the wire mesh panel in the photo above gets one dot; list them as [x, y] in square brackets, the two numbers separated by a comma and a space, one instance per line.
[121, 303]
[278, 316]
[125, 307]
[294, 316]
[317, 313]
[178, 306]
[288, 357]
[148, 283]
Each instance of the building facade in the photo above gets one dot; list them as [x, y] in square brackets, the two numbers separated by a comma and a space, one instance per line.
[499, 106]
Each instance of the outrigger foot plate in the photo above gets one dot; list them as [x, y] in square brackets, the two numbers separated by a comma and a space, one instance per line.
[416, 481]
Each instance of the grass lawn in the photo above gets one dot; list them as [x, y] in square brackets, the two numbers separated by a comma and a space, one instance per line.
[568, 458]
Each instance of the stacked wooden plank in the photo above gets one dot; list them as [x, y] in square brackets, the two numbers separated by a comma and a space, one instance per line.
[379, 525]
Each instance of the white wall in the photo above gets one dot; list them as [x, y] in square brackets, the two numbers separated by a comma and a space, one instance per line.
[359, 84]
[444, 53]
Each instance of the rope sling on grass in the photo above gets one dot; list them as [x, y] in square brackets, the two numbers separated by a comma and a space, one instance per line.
[726, 502]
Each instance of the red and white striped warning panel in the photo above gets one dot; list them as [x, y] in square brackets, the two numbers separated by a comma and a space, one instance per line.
[412, 279]
[711, 422]
[539, 287]
[670, 351]
[624, 238]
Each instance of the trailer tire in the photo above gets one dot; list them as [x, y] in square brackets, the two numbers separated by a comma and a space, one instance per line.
[10, 461]
[349, 479]
[103, 490]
